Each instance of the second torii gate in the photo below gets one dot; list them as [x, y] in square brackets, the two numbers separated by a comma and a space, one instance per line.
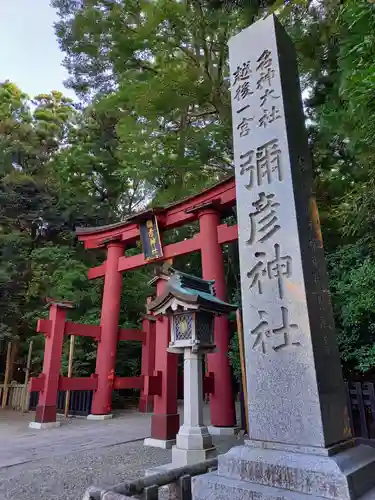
[208, 207]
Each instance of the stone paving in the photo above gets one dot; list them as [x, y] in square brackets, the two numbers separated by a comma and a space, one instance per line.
[61, 463]
[19, 444]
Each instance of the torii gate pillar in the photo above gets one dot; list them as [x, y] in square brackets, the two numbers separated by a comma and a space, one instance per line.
[107, 347]
[222, 410]
[165, 421]
[45, 415]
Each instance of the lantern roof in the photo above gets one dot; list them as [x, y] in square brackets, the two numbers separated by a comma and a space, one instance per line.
[190, 293]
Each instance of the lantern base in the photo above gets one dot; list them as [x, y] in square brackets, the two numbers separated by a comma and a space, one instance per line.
[193, 438]
[181, 457]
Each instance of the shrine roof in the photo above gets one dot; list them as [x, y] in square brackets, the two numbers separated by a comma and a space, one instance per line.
[192, 291]
[144, 214]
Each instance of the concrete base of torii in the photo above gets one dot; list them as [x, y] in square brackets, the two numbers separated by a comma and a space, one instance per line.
[107, 416]
[44, 425]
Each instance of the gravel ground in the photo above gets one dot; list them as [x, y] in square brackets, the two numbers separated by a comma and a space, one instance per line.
[65, 477]
[59, 464]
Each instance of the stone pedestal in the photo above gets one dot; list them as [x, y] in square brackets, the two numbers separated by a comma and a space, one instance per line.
[193, 441]
[246, 472]
[300, 445]
[193, 445]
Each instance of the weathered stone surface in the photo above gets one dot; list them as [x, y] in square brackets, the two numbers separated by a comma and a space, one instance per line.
[296, 448]
[295, 386]
[343, 476]
[169, 492]
[110, 495]
[194, 437]
[92, 492]
[193, 441]
[369, 495]
[181, 457]
[300, 446]
[212, 486]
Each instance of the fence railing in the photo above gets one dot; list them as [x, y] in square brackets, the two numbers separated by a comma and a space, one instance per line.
[79, 402]
[174, 483]
[361, 408]
[17, 396]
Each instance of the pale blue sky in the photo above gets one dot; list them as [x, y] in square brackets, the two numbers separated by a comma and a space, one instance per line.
[29, 52]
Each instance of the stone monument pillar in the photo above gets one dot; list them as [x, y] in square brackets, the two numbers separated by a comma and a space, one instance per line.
[300, 445]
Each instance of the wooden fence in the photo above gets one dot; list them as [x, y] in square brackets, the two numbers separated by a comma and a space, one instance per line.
[79, 402]
[361, 408]
[17, 395]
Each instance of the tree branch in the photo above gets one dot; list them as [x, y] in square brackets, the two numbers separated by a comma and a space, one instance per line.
[204, 113]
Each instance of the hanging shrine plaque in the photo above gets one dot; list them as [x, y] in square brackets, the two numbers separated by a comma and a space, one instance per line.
[150, 239]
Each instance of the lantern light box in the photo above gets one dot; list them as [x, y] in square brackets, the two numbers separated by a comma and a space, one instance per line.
[192, 305]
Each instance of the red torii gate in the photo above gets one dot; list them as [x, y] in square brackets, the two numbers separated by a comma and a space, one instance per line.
[207, 207]
[159, 380]
[50, 381]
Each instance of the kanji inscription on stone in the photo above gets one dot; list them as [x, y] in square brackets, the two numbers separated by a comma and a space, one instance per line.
[269, 116]
[277, 267]
[265, 70]
[263, 165]
[269, 94]
[242, 73]
[287, 315]
[264, 218]
[267, 336]
[241, 83]
[244, 126]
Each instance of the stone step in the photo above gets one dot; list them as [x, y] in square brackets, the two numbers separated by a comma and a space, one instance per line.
[211, 486]
[343, 476]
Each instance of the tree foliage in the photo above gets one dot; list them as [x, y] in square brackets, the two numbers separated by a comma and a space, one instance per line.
[153, 125]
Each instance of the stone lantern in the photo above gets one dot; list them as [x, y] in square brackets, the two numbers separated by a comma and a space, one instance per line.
[191, 304]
